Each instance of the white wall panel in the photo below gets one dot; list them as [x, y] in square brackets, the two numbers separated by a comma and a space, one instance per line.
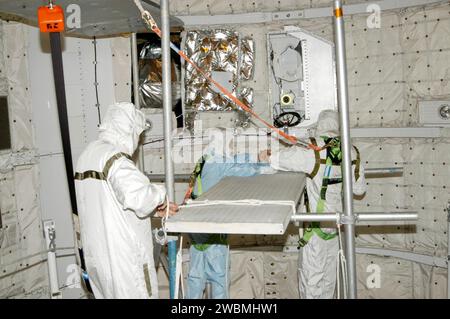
[79, 69]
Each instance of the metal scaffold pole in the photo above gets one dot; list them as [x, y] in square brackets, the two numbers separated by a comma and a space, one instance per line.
[167, 97]
[342, 90]
[167, 109]
[137, 104]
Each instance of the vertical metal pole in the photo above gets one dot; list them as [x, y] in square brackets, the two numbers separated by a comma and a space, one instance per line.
[342, 88]
[172, 251]
[167, 109]
[208, 290]
[167, 97]
[448, 251]
[135, 69]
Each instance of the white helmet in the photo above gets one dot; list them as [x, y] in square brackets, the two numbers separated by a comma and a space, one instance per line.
[328, 124]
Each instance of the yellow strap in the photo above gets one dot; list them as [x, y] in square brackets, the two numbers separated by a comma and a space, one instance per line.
[357, 163]
[199, 185]
[317, 164]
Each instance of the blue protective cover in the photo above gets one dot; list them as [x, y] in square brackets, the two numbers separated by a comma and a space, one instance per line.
[216, 168]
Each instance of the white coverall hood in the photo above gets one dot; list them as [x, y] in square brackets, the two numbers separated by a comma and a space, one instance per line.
[121, 126]
[317, 262]
[328, 124]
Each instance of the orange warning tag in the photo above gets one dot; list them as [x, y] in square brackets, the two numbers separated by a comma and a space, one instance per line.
[51, 19]
[338, 13]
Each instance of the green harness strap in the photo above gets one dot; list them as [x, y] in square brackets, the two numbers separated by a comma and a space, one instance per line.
[199, 185]
[213, 238]
[334, 158]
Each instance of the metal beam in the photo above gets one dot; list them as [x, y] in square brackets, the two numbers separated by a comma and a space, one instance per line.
[311, 13]
[369, 173]
[180, 178]
[406, 255]
[396, 132]
[363, 217]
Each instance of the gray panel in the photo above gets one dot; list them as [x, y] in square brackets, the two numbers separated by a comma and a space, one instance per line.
[270, 219]
[98, 17]
[280, 186]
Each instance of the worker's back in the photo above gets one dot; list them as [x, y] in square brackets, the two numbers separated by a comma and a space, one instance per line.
[314, 184]
[115, 201]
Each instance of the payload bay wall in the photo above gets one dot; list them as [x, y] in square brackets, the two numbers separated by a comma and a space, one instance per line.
[33, 185]
[391, 69]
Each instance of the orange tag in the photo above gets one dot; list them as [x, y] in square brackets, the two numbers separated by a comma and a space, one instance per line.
[338, 13]
[51, 19]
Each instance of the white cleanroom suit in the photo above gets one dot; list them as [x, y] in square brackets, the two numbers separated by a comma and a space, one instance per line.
[317, 259]
[115, 201]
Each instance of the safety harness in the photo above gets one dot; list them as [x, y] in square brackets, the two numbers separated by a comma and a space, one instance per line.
[196, 177]
[333, 158]
[103, 175]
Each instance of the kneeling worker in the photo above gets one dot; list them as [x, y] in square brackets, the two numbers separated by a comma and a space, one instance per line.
[319, 246]
[209, 253]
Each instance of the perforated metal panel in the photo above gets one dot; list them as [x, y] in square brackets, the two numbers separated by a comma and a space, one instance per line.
[269, 219]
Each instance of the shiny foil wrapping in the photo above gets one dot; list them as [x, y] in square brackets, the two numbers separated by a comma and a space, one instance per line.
[211, 50]
[150, 78]
[150, 94]
[247, 58]
[247, 96]
[226, 58]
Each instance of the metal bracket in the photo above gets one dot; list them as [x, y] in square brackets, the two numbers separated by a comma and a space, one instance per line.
[50, 237]
[288, 15]
[448, 212]
[347, 220]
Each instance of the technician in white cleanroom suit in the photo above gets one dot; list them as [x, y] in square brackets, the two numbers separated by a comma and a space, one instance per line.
[319, 246]
[115, 201]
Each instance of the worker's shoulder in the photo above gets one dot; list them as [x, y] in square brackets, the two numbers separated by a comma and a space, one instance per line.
[95, 155]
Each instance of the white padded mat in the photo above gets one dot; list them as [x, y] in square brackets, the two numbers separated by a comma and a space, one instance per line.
[270, 219]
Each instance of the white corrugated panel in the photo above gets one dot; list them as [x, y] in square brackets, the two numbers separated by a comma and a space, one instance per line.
[231, 218]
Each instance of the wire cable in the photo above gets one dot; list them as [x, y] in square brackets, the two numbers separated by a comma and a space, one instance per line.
[97, 103]
[341, 267]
